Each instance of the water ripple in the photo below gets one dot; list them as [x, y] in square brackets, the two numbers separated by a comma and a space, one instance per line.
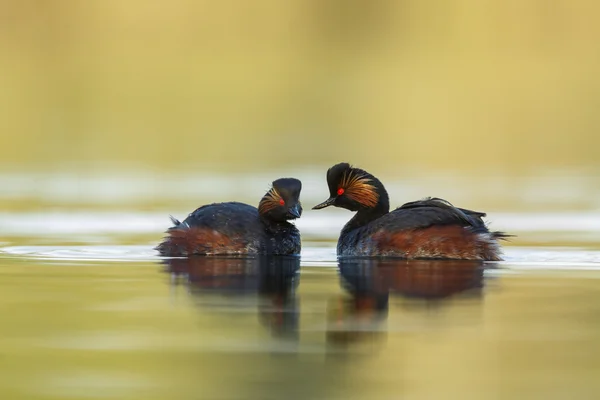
[314, 254]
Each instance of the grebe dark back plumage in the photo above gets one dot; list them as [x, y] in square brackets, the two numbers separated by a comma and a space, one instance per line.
[431, 228]
[237, 228]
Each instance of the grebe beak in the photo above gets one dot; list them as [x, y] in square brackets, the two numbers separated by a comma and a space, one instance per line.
[326, 203]
[295, 211]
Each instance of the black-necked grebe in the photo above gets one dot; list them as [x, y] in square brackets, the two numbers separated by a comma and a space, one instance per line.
[426, 229]
[237, 228]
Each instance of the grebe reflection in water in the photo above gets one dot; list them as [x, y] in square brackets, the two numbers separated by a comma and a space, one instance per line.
[217, 282]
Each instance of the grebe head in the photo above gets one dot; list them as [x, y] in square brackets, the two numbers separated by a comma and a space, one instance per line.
[282, 201]
[354, 189]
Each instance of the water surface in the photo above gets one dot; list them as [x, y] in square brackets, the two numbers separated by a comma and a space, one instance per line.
[102, 317]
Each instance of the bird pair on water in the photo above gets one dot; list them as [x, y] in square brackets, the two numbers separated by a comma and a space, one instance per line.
[426, 229]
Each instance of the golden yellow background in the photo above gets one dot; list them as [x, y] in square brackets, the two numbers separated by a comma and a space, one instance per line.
[498, 87]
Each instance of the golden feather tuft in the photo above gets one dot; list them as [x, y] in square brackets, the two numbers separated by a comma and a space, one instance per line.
[269, 202]
[359, 188]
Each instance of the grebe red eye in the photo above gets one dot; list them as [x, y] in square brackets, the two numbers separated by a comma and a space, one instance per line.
[340, 191]
[282, 202]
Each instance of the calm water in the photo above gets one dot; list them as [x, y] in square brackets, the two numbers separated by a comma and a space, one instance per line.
[100, 316]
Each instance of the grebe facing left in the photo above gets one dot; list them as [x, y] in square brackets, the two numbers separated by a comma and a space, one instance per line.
[426, 229]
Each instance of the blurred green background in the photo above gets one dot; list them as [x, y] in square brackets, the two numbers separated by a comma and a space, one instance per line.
[492, 90]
